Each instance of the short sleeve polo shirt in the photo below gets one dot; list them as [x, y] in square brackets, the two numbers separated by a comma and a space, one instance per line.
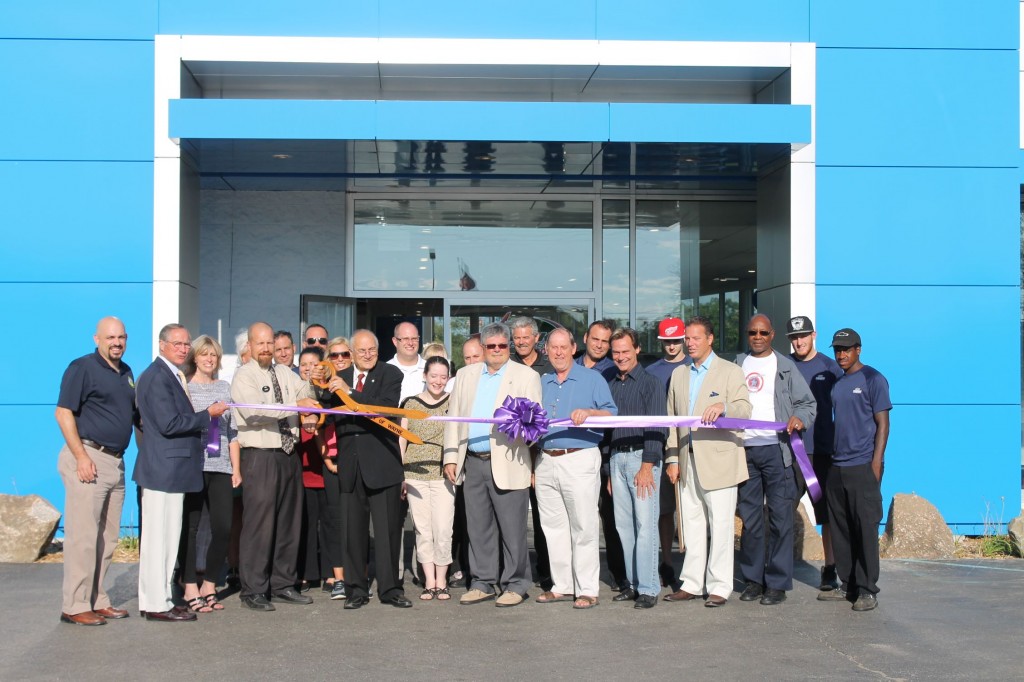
[102, 399]
[856, 399]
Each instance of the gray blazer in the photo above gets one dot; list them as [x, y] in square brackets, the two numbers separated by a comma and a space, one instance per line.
[792, 397]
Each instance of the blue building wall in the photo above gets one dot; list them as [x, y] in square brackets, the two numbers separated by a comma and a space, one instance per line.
[918, 185]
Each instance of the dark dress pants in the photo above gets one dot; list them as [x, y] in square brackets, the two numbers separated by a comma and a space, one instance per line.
[271, 521]
[313, 561]
[358, 507]
[540, 543]
[612, 544]
[766, 546]
[218, 497]
[855, 510]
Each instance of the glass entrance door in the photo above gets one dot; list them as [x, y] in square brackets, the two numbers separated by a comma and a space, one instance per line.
[467, 320]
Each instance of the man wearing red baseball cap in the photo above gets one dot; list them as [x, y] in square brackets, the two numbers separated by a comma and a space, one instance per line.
[672, 333]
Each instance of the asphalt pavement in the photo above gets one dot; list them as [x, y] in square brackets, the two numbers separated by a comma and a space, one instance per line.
[935, 621]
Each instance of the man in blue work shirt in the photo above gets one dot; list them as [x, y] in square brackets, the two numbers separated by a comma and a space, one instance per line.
[861, 403]
[567, 474]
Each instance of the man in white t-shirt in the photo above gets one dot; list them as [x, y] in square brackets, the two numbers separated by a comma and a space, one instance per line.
[407, 358]
[778, 393]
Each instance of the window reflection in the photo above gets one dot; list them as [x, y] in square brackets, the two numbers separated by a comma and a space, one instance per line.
[615, 260]
[480, 245]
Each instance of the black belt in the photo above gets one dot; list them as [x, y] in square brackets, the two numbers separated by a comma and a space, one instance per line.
[102, 448]
[479, 455]
[555, 452]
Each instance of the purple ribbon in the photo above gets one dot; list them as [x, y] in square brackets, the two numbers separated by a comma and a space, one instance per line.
[523, 418]
[213, 441]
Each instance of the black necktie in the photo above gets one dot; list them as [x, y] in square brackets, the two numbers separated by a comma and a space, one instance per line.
[287, 439]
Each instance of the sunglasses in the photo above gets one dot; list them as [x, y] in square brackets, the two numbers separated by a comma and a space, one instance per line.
[496, 346]
[316, 339]
[758, 332]
[339, 354]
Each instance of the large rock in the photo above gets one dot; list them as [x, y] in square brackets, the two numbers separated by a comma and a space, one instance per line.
[807, 543]
[915, 530]
[27, 525]
[1015, 529]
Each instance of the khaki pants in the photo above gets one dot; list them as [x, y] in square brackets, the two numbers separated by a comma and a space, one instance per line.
[92, 524]
[432, 507]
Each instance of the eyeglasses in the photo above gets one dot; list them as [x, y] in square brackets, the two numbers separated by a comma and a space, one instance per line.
[496, 346]
[407, 339]
[180, 345]
[316, 339]
[366, 352]
[758, 332]
[339, 354]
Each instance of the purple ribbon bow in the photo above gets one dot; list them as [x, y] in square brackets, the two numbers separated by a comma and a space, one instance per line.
[522, 418]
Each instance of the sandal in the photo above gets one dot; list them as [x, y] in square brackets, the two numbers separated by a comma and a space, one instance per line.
[427, 594]
[213, 602]
[552, 597]
[442, 594]
[584, 602]
[198, 605]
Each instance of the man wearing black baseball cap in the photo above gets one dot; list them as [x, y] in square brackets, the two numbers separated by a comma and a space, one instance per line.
[821, 373]
[861, 404]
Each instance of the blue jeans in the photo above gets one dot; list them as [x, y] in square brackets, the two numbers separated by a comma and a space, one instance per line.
[637, 522]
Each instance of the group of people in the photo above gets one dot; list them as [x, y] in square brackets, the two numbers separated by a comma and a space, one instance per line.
[296, 492]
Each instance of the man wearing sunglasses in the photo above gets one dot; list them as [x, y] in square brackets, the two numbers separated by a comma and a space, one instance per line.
[495, 471]
[316, 335]
[778, 392]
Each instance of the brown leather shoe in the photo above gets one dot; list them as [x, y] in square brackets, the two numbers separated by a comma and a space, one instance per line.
[714, 601]
[84, 618]
[110, 613]
[681, 595]
[175, 615]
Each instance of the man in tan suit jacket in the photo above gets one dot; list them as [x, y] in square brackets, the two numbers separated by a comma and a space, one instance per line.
[494, 471]
[712, 463]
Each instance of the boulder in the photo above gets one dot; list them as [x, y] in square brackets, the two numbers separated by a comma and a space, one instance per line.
[27, 525]
[1015, 529]
[807, 543]
[915, 530]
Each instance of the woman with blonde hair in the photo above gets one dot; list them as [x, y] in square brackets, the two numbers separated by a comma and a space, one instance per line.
[221, 475]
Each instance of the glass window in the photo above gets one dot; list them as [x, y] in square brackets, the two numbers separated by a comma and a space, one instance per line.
[615, 260]
[464, 245]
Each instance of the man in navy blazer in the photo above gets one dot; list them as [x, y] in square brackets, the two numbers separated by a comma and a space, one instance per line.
[170, 464]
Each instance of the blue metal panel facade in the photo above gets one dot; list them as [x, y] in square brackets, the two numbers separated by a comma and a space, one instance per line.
[917, 187]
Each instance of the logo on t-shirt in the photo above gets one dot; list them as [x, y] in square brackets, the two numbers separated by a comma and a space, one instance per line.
[755, 382]
[857, 391]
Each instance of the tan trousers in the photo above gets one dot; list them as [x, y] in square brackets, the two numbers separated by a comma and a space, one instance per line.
[92, 524]
[432, 507]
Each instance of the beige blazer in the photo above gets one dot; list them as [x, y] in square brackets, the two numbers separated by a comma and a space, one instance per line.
[511, 464]
[719, 456]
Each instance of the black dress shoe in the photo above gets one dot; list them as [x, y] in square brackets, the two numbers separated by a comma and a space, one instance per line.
[772, 597]
[291, 596]
[175, 615]
[357, 602]
[645, 601]
[628, 594]
[257, 602]
[751, 592]
[398, 601]
[714, 601]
